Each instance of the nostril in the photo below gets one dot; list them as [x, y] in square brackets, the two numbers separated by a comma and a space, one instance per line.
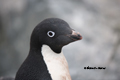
[78, 35]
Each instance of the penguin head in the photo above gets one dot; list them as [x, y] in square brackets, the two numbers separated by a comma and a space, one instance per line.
[55, 33]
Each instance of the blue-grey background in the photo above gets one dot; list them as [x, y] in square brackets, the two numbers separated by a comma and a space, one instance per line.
[98, 21]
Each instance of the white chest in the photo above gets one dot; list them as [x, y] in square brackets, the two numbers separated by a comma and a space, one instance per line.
[56, 64]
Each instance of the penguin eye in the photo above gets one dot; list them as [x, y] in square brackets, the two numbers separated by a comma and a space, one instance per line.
[50, 33]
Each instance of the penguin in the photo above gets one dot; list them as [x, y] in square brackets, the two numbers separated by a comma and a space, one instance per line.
[45, 60]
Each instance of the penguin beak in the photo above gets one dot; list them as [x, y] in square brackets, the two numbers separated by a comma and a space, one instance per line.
[75, 36]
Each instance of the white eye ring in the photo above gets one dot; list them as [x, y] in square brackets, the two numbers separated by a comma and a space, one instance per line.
[50, 33]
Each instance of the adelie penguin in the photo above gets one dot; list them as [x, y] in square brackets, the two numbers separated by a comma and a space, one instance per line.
[45, 60]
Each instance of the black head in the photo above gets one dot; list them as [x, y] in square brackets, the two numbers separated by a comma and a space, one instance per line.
[53, 32]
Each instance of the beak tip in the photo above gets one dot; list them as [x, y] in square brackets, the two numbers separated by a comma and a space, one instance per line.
[80, 37]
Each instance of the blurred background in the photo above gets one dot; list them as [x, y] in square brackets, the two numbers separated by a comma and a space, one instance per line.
[98, 21]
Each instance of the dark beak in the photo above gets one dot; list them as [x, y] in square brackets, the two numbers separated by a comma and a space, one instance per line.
[75, 36]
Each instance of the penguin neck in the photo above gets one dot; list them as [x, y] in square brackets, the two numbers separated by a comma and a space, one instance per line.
[44, 63]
